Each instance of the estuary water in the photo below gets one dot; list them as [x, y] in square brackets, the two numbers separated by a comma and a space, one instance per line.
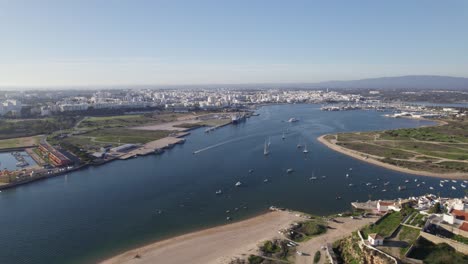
[98, 212]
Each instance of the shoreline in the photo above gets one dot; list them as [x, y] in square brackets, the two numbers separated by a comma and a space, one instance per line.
[219, 244]
[362, 157]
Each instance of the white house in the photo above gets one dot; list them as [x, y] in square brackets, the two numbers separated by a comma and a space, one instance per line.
[386, 206]
[375, 239]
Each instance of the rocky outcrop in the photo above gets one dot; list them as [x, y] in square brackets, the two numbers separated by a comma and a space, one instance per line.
[349, 250]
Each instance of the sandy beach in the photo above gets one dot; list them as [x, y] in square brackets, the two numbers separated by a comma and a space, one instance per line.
[369, 159]
[214, 245]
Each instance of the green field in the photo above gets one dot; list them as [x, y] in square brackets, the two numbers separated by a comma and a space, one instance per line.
[91, 123]
[386, 226]
[408, 235]
[439, 149]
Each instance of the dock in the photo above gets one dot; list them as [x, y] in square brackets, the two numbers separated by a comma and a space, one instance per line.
[155, 146]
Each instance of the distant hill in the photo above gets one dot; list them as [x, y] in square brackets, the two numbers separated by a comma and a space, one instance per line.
[401, 82]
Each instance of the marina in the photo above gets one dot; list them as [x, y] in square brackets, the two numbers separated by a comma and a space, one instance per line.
[15, 160]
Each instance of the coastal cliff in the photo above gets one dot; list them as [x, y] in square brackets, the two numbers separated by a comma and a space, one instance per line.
[348, 250]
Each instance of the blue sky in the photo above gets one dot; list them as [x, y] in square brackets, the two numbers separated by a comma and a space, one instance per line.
[81, 42]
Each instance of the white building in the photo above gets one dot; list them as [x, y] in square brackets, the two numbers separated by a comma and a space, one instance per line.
[375, 239]
[9, 105]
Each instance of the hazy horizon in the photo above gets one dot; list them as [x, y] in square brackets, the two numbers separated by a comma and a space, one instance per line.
[83, 44]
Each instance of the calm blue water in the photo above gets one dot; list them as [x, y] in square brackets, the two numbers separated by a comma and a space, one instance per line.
[8, 161]
[98, 212]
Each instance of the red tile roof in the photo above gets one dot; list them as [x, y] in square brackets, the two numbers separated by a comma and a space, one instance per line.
[459, 214]
[464, 226]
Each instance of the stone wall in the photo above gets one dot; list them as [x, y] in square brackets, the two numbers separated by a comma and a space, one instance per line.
[460, 247]
[454, 230]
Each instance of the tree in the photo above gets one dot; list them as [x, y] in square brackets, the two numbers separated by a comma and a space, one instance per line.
[435, 209]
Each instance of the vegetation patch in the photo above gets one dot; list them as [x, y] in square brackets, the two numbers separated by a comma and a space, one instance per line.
[31, 127]
[437, 149]
[305, 230]
[317, 256]
[386, 226]
[431, 253]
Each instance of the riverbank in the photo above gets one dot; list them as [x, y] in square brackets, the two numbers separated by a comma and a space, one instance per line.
[369, 159]
[214, 245]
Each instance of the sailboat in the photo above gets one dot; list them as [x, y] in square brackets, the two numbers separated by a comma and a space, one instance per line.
[265, 149]
[305, 149]
[313, 177]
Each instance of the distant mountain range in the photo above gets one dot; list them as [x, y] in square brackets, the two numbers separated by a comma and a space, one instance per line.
[400, 82]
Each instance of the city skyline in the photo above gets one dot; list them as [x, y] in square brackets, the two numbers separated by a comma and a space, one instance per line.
[65, 43]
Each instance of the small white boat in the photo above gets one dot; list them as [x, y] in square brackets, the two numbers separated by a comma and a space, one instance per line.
[465, 181]
[432, 188]
[290, 170]
[313, 177]
[384, 190]
[305, 149]
[418, 185]
[463, 185]
[423, 182]
[350, 185]
[265, 149]
[406, 181]
[453, 188]
[387, 183]
[218, 192]
[238, 184]
[265, 180]
[350, 169]
[347, 175]
[323, 177]
[415, 180]
[369, 183]
[401, 188]
[454, 181]
[441, 185]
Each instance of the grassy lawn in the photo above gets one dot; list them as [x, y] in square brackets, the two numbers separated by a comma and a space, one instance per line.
[409, 235]
[19, 142]
[386, 226]
[460, 239]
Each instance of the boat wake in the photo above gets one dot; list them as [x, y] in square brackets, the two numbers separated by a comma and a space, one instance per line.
[229, 141]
